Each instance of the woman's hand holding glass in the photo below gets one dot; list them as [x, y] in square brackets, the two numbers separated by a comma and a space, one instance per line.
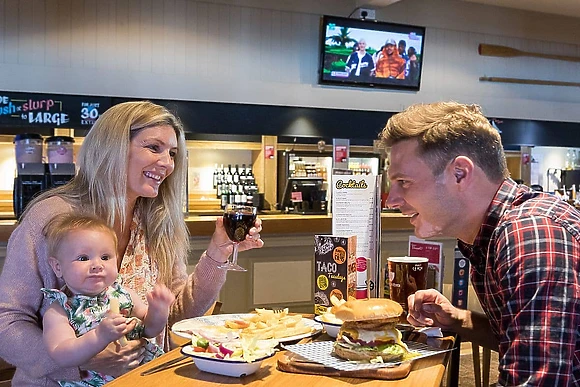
[221, 247]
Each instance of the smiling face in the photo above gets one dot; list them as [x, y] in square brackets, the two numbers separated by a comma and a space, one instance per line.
[428, 199]
[86, 260]
[151, 160]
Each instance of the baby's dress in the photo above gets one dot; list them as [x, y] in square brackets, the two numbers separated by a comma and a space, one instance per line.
[85, 313]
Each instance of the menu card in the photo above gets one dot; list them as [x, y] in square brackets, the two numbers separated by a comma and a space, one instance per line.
[434, 252]
[356, 211]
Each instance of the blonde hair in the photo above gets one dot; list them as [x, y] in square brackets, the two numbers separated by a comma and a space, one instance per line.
[445, 130]
[62, 225]
[100, 186]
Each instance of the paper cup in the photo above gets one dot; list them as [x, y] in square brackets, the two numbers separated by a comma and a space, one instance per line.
[406, 276]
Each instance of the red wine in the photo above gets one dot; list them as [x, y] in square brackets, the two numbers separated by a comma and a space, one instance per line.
[238, 225]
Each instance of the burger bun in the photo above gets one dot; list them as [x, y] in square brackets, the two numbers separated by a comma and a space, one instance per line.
[370, 309]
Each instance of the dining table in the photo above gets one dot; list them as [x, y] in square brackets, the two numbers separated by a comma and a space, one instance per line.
[424, 372]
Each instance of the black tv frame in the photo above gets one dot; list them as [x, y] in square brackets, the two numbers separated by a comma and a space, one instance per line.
[371, 25]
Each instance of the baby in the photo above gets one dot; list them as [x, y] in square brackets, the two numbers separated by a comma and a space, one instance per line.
[80, 321]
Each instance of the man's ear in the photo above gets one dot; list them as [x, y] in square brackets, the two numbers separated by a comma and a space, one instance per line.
[459, 175]
[55, 264]
[462, 168]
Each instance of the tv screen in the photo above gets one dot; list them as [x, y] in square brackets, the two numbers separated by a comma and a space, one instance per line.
[367, 53]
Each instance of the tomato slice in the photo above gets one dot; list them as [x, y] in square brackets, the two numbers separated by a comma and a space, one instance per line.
[198, 349]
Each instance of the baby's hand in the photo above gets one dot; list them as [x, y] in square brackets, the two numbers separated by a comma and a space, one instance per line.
[159, 300]
[112, 327]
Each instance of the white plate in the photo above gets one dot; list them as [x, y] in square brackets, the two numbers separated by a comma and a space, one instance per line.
[227, 367]
[330, 328]
[219, 320]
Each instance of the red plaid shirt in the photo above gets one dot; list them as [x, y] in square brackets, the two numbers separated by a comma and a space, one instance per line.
[525, 270]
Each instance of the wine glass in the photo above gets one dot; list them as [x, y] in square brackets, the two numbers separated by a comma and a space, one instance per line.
[238, 220]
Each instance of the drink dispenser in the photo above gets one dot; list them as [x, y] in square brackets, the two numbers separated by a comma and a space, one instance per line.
[61, 168]
[30, 170]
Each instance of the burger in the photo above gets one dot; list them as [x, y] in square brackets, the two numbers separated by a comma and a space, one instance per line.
[369, 331]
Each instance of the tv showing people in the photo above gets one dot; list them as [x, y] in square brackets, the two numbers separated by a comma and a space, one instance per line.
[367, 53]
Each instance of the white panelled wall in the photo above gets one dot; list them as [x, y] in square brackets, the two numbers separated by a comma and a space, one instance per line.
[265, 52]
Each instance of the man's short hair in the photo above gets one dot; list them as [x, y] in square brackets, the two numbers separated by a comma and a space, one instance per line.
[445, 130]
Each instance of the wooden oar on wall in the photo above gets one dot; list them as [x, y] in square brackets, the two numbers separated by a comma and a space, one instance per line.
[508, 52]
[528, 81]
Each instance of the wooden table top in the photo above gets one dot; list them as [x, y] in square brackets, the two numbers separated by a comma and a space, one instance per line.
[425, 372]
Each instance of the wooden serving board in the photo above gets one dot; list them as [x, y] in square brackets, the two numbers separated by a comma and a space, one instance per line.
[296, 364]
[292, 362]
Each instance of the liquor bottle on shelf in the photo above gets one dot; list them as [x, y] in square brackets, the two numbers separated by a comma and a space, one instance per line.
[236, 175]
[243, 176]
[249, 197]
[250, 173]
[232, 194]
[222, 175]
[229, 177]
[241, 196]
[218, 191]
[216, 175]
[224, 197]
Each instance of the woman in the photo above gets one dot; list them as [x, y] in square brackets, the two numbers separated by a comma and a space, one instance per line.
[131, 170]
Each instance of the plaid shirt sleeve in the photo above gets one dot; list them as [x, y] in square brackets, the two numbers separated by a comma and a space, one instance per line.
[536, 302]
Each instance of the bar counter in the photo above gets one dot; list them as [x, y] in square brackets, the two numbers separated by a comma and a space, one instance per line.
[281, 273]
[200, 226]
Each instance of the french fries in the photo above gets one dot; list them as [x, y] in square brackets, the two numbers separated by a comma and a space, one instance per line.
[336, 302]
[270, 324]
[114, 307]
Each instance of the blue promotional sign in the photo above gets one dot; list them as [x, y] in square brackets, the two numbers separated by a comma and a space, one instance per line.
[29, 110]
[460, 280]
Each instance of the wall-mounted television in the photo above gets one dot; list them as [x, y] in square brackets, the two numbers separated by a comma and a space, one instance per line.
[368, 53]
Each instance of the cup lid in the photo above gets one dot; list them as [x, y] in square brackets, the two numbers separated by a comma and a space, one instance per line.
[60, 139]
[408, 259]
[27, 136]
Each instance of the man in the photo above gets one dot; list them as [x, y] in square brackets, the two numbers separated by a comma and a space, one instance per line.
[448, 173]
[402, 47]
[388, 63]
[360, 64]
